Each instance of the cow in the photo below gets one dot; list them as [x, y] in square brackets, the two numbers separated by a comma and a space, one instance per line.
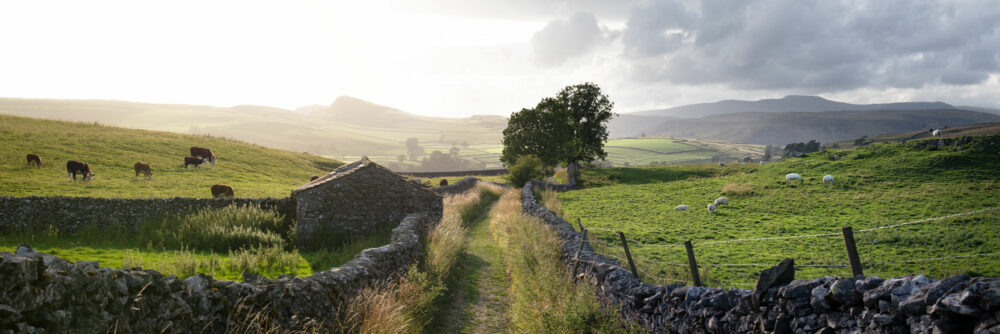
[196, 161]
[74, 167]
[222, 191]
[204, 153]
[313, 178]
[443, 182]
[32, 158]
[141, 168]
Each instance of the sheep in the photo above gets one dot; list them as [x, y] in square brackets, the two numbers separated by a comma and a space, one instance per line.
[828, 179]
[793, 176]
[711, 209]
[682, 207]
[936, 133]
[721, 201]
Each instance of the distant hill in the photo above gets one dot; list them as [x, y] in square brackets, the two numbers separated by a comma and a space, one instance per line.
[348, 126]
[252, 170]
[779, 128]
[980, 109]
[950, 132]
[785, 104]
[631, 125]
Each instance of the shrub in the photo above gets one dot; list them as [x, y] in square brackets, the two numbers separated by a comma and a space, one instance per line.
[736, 189]
[229, 228]
[528, 167]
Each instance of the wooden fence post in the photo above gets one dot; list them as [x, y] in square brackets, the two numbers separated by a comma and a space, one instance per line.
[695, 277]
[852, 252]
[628, 255]
[576, 263]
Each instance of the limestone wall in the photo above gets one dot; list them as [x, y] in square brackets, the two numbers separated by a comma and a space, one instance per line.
[69, 213]
[42, 293]
[780, 304]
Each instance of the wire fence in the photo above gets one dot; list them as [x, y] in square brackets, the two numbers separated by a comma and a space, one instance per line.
[967, 242]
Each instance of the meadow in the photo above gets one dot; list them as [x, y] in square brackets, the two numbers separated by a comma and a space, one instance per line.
[111, 152]
[875, 186]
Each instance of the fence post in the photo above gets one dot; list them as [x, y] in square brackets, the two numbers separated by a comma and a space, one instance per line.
[852, 252]
[695, 277]
[579, 250]
[628, 255]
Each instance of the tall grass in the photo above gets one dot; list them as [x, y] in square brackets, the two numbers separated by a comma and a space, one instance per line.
[542, 300]
[228, 228]
[407, 305]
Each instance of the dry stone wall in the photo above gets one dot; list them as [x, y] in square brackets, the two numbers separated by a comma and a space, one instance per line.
[41, 293]
[462, 186]
[780, 304]
[69, 213]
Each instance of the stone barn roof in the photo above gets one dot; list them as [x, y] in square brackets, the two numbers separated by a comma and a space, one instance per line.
[345, 171]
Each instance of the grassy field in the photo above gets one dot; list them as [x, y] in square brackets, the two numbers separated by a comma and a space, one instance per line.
[875, 186]
[111, 152]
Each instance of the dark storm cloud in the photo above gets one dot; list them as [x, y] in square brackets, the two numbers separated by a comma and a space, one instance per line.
[823, 45]
[563, 39]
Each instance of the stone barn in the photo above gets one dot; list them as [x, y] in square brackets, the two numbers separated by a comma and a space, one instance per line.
[355, 200]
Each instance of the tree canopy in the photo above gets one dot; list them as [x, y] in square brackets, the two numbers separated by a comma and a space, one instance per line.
[567, 128]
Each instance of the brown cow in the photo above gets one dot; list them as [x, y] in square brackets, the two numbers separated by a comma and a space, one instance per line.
[32, 158]
[196, 161]
[143, 169]
[204, 153]
[73, 167]
[443, 183]
[313, 178]
[222, 191]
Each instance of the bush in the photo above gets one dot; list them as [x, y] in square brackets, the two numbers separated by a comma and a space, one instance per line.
[528, 167]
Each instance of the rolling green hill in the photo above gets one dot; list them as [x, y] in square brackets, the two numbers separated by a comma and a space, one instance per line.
[875, 186]
[111, 152]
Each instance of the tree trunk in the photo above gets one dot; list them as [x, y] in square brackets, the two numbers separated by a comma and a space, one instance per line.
[571, 174]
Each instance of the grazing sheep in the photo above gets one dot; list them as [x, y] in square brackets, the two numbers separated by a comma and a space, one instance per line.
[828, 179]
[711, 209]
[682, 207]
[936, 133]
[793, 176]
[721, 201]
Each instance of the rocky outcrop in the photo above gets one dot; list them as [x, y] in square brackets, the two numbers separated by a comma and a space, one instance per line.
[41, 293]
[909, 304]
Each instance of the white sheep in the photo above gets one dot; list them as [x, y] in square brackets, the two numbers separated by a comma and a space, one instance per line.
[828, 179]
[936, 133]
[682, 207]
[711, 209]
[793, 176]
[721, 201]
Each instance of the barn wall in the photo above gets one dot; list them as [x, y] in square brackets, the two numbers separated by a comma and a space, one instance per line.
[366, 199]
[43, 293]
[69, 213]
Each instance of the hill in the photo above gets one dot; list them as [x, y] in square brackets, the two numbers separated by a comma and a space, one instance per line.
[346, 127]
[780, 128]
[252, 170]
[786, 104]
[878, 185]
[950, 132]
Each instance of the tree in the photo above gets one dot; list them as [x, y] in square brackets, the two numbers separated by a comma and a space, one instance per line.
[413, 149]
[401, 158]
[565, 129]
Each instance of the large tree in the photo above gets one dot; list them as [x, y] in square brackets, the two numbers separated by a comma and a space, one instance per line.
[564, 129]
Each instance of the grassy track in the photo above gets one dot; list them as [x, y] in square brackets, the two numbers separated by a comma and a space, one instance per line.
[875, 186]
[253, 171]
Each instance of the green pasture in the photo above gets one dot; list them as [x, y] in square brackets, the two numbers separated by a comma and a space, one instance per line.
[111, 152]
[875, 186]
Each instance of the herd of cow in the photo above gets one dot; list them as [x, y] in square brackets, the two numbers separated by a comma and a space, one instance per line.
[199, 156]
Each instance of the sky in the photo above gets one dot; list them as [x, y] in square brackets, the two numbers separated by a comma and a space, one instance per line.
[454, 58]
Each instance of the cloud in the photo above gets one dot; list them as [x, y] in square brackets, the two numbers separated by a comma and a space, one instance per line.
[813, 45]
[564, 39]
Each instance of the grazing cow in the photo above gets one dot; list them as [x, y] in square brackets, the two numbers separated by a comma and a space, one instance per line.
[141, 168]
[443, 182]
[32, 158]
[313, 178]
[204, 153]
[222, 191]
[74, 167]
[196, 161]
